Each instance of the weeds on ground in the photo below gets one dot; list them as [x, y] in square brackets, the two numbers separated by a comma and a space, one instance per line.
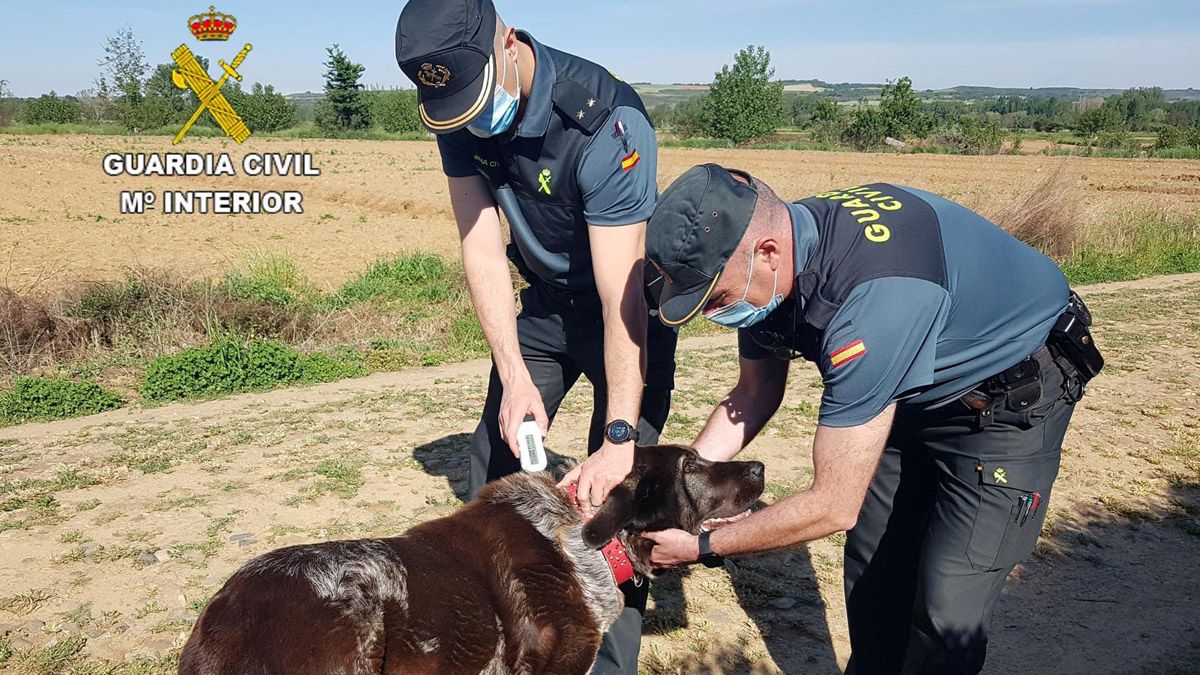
[38, 399]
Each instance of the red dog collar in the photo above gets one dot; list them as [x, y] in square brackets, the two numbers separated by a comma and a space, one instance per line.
[614, 551]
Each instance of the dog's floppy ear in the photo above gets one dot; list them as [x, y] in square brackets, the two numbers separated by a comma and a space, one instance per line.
[616, 513]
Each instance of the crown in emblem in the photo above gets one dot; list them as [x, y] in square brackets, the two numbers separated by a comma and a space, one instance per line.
[213, 25]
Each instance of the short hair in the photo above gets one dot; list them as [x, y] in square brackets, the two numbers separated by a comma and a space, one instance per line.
[769, 218]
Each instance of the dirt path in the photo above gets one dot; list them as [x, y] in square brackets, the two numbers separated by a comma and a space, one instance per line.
[115, 529]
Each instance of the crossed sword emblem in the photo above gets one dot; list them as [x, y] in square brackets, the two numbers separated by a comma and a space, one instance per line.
[190, 75]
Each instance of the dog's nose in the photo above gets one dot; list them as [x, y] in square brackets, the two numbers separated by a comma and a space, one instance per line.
[755, 469]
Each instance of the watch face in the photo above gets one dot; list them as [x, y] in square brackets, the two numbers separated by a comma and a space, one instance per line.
[619, 431]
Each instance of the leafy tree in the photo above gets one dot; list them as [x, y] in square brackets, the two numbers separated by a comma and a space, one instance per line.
[743, 103]
[345, 106]
[124, 65]
[902, 110]
[7, 104]
[396, 111]
[1092, 122]
[161, 87]
[54, 109]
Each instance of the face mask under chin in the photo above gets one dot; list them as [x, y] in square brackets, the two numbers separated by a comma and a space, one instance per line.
[499, 117]
[742, 314]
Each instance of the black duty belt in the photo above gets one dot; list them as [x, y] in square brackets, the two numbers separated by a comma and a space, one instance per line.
[1069, 347]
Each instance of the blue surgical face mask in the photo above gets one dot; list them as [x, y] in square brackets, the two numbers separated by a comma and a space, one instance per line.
[742, 314]
[500, 116]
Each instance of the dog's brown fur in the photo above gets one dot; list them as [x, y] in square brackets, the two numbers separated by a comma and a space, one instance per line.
[511, 583]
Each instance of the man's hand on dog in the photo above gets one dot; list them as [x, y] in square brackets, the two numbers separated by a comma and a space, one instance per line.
[676, 548]
[599, 474]
[673, 548]
[517, 402]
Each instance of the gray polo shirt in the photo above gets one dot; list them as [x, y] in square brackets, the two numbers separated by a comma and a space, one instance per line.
[615, 174]
[912, 340]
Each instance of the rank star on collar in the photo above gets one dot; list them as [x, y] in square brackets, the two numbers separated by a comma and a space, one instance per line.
[591, 103]
[580, 115]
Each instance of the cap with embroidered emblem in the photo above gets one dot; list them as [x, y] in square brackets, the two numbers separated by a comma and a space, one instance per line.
[699, 221]
[447, 49]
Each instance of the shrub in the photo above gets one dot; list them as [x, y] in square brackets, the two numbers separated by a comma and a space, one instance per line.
[1169, 137]
[51, 108]
[1193, 137]
[150, 112]
[689, 119]
[396, 111]
[54, 399]
[971, 137]
[1114, 139]
[867, 129]
[262, 109]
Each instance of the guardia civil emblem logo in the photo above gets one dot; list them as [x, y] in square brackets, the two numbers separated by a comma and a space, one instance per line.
[436, 76]
[189, 74]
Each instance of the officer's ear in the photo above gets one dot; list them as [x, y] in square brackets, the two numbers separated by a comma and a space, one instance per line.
[509, 42]
[769, 248]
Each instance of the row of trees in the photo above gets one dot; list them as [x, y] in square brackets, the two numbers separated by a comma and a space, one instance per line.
[745, 103]
[131, 93]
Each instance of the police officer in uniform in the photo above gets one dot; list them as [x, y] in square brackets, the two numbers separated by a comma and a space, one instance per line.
[567, 152]
[952, 356]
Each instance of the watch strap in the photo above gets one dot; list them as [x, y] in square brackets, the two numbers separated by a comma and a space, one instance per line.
[707, 557]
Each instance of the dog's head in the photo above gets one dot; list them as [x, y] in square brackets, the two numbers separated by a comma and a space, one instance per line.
[671, 487]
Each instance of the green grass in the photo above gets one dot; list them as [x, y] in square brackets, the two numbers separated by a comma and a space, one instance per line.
[419, 279]
[1145, 244]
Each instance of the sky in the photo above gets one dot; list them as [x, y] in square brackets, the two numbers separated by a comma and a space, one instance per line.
[939, 43]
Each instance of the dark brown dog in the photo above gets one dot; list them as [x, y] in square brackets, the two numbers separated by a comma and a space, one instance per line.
[511, 583]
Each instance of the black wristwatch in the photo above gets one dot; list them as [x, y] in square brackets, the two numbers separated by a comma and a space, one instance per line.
[620, 431]
[707, 557]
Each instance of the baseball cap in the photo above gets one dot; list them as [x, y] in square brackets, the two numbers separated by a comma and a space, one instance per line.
[446, 47]
[699, 222]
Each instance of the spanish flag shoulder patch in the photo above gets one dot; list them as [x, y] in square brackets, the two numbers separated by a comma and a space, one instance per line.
[631, 161]
[848, 353]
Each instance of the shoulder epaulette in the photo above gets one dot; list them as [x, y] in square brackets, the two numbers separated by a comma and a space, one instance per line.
[580, 105]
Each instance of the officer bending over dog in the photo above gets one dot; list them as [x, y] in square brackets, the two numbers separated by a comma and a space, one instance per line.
[952, 356]
[566, 150]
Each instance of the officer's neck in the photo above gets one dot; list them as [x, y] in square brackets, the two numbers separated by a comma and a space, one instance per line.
[527, 67]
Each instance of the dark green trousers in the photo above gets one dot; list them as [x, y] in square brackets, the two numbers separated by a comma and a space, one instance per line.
[943, 524]
[562, 338]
